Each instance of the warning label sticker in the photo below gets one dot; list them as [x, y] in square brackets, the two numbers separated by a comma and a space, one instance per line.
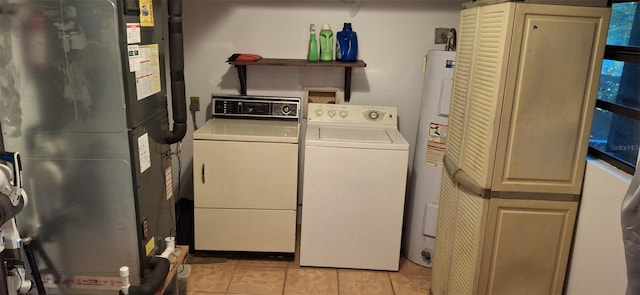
[436, 143]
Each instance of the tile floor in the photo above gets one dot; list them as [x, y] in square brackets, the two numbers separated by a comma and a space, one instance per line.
[265, 277]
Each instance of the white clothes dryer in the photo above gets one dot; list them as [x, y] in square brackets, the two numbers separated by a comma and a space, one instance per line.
[355, 171]
[245, 167]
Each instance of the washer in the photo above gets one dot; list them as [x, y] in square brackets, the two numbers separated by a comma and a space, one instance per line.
[355, 171]
[245, 164]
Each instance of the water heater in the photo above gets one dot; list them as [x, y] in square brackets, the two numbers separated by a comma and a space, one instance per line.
[424, 186]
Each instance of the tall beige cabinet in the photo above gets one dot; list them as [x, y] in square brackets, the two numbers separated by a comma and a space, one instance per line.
[524, 92]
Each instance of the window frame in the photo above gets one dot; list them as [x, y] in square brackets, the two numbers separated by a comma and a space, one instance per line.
[625, 54]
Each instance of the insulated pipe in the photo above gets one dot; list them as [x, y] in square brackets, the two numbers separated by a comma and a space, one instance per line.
[176, 67]
[159, 271]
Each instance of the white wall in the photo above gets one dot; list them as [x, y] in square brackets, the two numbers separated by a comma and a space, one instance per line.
[393, 38]
[597, 264]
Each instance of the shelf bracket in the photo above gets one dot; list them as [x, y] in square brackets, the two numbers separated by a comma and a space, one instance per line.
[347, 84]
[242, 77]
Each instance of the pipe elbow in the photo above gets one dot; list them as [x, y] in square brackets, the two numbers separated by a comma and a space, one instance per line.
[159, 271]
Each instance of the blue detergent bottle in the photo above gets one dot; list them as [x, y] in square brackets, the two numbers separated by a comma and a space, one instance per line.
[347, 44]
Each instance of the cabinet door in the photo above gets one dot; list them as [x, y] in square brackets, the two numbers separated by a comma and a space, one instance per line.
[470, 224]
[462, 78]
[527, 246]
[485, 33]
[445, 232]
[245, 175]
[459, 241]
[553, 74]
[486, 88]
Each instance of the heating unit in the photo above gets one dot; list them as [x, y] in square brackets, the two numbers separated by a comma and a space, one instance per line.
[83, 99]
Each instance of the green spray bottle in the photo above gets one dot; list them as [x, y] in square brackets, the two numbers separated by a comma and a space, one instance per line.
[326, 43]
[312, 54]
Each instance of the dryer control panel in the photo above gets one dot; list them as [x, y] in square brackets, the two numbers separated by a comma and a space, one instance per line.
[256, 107]
[356, 114]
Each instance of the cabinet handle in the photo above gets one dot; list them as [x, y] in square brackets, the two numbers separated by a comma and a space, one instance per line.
[202, 174]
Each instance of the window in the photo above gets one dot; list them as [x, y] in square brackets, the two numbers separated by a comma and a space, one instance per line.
[615, 135]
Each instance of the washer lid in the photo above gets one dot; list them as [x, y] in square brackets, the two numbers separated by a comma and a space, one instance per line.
[354, 135]
[249, 130]
[351, 137]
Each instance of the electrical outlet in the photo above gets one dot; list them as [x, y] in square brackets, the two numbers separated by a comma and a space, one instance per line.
[195, 104]
[441, 35]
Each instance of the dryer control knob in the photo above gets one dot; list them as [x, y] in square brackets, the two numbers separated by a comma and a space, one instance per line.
[331, 113]
[344, 114]
[374, 115]
[319, 112]
[286, 109]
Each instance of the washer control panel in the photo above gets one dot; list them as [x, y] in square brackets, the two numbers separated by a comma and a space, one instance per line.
[383, 115]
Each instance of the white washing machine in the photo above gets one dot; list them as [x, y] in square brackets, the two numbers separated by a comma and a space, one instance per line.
[355, 171]
[245, 167]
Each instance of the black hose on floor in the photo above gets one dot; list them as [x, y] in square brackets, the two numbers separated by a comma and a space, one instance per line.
[35, 272]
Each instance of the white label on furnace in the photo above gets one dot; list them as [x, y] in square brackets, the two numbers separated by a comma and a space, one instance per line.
[148, 75]
[134, 57]
[133, 33]
[168, 182]
[144, 152]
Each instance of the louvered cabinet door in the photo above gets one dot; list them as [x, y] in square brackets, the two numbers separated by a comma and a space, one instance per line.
[460, 238]
[461, 81]
[468, 241]
[445, 232]
[554, 69]
[486, 89]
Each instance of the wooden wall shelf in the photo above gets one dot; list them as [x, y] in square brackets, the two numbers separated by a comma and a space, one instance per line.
[241, 67]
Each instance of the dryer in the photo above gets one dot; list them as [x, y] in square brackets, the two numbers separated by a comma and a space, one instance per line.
[245, 167]
[355, 171]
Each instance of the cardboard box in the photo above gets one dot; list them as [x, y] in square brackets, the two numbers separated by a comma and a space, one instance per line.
[320, 95]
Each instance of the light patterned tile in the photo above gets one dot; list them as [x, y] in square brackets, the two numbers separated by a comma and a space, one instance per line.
[257, 280]
[407, 266]
[204, 293]
[410, 283]
[311, 281]
[207, 259]
[364, 282]
[263, 262]
[210, 277]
